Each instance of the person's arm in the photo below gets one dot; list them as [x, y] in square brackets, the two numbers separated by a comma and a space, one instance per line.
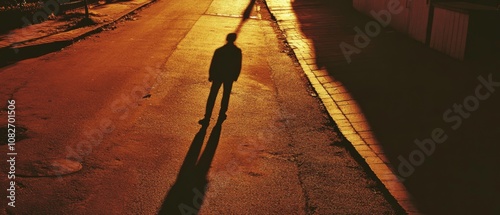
[238, 64]
[213, 67]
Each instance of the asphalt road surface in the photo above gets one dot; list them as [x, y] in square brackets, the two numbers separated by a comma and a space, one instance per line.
[125, 104]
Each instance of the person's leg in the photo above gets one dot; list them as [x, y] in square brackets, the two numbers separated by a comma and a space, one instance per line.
[211, 101]
[225, 99]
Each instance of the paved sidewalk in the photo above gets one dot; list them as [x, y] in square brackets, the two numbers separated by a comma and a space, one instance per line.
[393, 93]
[51, 35]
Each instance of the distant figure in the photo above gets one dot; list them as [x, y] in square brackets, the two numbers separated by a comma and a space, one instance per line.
[224, 70]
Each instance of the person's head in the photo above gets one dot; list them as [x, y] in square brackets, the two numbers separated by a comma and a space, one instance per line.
[231, 37]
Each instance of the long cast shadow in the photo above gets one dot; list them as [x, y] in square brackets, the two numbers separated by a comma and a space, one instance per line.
[403, 88]
[186, 196]
[246, 15]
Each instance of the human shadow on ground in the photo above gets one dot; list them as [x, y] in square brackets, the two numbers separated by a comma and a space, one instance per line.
[187, 195]
[224, 70]
[246, 15]
[404, 89]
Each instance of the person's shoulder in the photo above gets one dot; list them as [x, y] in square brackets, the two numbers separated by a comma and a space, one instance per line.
[219, 49]
[229, 48]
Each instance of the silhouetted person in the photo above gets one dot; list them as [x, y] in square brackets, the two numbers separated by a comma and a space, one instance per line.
[224, 70]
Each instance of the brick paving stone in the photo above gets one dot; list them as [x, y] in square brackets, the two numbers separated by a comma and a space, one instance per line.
[336, 98]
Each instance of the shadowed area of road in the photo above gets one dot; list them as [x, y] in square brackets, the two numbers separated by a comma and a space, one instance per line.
[404, 89]
[187, 194]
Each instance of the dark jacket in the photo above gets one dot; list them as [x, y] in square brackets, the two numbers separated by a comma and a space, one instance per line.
[226, 64]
